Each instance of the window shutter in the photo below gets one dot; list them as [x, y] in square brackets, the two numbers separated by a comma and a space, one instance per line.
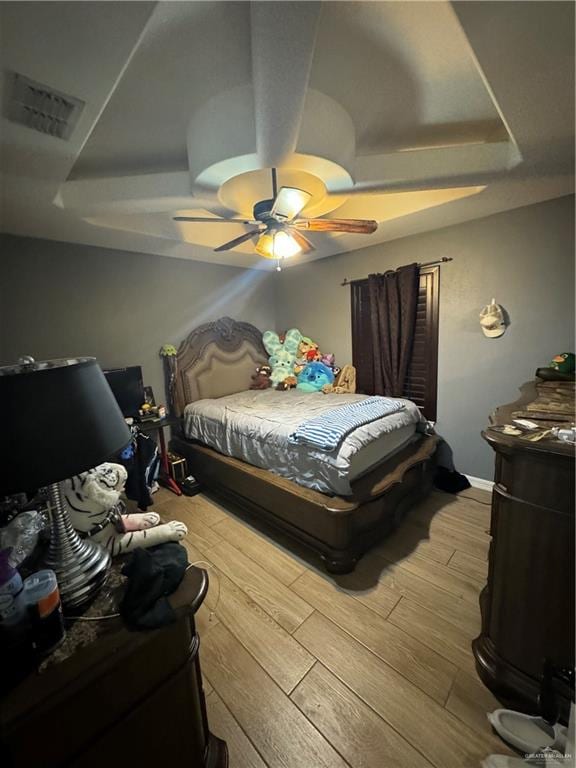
[362, 337]
[422, 376]
[421, 380]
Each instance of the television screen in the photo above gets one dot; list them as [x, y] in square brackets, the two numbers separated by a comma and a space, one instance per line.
[128, 388]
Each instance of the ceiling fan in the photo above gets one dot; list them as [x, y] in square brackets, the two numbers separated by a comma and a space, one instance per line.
[278, 228]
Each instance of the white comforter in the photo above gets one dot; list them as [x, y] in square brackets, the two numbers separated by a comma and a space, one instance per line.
[254, 426]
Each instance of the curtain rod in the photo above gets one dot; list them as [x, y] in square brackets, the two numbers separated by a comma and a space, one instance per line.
[443, 260]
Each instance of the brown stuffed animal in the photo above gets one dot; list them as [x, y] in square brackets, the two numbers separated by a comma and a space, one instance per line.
[344, 384]
[288, 383]
[261, 379]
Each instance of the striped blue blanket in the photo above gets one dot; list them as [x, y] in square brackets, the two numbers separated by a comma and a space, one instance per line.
[329, 430]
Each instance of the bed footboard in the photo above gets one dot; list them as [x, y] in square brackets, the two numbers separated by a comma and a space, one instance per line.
[339, 529]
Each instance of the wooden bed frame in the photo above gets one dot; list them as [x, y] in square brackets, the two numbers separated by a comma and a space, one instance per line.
[218, 359]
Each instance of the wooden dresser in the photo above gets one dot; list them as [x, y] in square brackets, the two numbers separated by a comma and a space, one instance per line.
[528, 604]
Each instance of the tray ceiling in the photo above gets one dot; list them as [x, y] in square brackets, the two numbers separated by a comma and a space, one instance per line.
[417, 114]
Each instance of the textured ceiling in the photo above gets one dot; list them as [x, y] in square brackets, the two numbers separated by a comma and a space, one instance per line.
[417, 114]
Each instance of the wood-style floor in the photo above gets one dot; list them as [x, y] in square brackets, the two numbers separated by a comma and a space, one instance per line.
[368, 670]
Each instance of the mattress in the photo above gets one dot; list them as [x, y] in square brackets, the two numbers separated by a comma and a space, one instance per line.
[254, 426]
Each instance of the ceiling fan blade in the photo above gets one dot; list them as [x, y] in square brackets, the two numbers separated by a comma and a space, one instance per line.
[213, 220]
[237, 240]
[302, 241]
[289, 202]
[355, 226]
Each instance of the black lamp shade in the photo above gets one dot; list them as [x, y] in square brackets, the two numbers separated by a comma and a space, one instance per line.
[59, 418]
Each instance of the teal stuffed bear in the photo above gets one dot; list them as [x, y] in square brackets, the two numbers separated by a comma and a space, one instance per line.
[282, 356]
[314, 377]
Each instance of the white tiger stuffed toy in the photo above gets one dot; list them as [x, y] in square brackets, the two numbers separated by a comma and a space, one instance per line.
[96, 511]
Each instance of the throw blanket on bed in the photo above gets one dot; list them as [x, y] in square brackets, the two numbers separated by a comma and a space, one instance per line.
[327, 431]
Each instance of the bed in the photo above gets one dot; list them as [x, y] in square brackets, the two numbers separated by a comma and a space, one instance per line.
[235, 441]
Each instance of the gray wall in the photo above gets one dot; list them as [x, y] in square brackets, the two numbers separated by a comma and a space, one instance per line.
[524, 258]
[60, 299]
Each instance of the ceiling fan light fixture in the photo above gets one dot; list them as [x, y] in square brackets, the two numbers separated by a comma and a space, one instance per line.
[277, 245]
[285, 246]
[289, 202]
[265, 246]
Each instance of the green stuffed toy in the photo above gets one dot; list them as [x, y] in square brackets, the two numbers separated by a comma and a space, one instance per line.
[282, 355]
[562, 368]
[564, 363]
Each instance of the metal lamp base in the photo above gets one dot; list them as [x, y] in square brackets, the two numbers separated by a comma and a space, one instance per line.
[81, 566]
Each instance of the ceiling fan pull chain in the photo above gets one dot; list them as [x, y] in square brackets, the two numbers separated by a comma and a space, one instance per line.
[278, 259]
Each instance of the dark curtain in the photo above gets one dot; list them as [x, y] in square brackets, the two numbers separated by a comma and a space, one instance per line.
[393, 299]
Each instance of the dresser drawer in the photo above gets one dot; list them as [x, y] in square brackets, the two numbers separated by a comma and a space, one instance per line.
[545, 480]
[110, 688]
[531, 584]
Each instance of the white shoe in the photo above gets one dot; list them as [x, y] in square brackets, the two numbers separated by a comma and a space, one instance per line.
[530, 735]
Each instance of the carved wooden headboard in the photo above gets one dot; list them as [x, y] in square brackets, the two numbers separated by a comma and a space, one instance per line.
[217, 359]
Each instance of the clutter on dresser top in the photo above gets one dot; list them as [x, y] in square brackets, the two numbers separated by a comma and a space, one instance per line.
[547, 410]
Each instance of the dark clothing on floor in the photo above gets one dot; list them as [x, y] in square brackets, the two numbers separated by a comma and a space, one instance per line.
[450, 481]
[447, 478]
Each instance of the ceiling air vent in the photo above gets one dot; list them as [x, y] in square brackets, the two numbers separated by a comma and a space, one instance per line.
[41, 108]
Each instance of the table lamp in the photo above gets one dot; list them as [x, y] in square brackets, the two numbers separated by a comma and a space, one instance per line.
[59, 418]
